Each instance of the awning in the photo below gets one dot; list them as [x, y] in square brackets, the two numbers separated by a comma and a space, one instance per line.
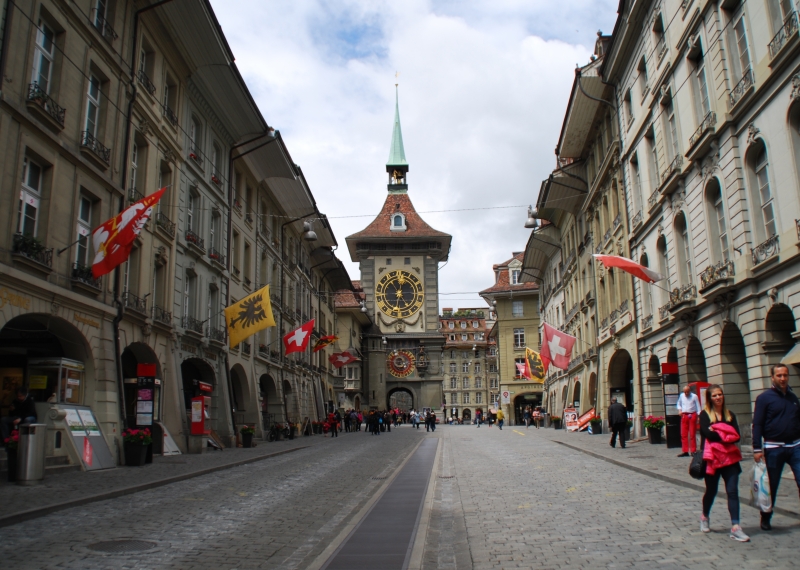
[540, 249]
[793, 356]
[564, 191]
[332, 269]
[581, 110]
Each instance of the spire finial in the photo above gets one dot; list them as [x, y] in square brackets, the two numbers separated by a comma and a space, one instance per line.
[397, 154]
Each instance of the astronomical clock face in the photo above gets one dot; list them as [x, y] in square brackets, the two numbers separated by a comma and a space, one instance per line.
[400, 363]
[399, 294]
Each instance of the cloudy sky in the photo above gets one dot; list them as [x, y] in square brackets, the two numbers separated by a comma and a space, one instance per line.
[483, 90]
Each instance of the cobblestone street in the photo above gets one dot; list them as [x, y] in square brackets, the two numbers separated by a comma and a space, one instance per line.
[500, 499]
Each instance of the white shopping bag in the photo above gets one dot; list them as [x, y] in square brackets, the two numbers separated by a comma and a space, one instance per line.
[759, 488]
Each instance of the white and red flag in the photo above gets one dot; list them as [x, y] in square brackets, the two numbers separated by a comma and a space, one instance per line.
[630, 266]
[522, 370]
[339, 359]
[113, 240]
[556, 347]
[298, 339]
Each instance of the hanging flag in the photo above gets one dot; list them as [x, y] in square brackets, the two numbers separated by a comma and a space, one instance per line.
[324, 341]
[339, 359]
[522, 370]
[629, 266]
[113, 240]
[298, 339]
[248, 316]
[556, 347]
[536, 367]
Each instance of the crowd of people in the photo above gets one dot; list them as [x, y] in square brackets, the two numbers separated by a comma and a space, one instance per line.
[377, 421]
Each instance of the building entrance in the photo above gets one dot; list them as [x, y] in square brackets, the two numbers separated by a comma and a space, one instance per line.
[401, 398]
[521, 402]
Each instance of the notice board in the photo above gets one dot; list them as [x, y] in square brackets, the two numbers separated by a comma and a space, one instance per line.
[84, 430]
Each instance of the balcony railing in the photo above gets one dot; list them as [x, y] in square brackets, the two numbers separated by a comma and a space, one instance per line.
[196, 157]
[637, 219]
[103, 26]
[83, 274]
[573, 311]
[766, 250]
[604, 323]
[162, 316]
[663, 312]
[31, 248]
[170, 115]
[237, 206]
[570, 259]
[681, 295]
[647, 322]
[617, 221]
[89, 141]
[195, 239]
[662, 48]
[607, 235]
[37, 95]
[192, 324]
[146, 82]
[215, 255]
[652, 200]
[134, 302]
[783, 36]
[613, 316]
[134, 195]
[712, 274]
[216, 179]
[163, 222]
[706, 125]
[673, 167]
[216, 334]
[589, 299]
[745, 83]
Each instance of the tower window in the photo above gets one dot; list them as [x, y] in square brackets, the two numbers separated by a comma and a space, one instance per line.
[398, 223]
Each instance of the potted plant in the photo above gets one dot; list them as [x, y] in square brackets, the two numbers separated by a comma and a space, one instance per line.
[12, 445]
[247, 435]
[136, 442]
[597, 425]
[556, 421]
[653, 425]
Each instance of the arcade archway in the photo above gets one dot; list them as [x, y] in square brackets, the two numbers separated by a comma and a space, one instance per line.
[734, 377]
[270, 402]
[401, 398]
[289, 402]
[198, 379]
[521, 402]
[620, 378]
[466, 415]
[695, 361]
[135, 354]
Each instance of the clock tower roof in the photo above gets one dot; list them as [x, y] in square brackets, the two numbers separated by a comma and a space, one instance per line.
[397, 154]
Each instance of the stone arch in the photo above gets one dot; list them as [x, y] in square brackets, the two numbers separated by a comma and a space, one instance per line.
[269, 400]
[779, 326]
[672, 354]
[620, 377]
[466, 414]
[194, 371]
[592, 393]
[576, 396]
[793, 117]
[734, 378]
[695, 361]
[290, 410]
[405, 397]
[241, 393]
[357, 403]
[653, 367]
[134, 354]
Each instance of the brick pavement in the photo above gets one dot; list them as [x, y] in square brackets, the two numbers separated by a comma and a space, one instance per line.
[528, 502]
[281, 512]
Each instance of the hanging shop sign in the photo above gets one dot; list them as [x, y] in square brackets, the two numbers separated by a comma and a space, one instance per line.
[205, 386]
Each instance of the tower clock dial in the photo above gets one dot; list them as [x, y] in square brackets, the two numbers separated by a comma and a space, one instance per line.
[399, 294]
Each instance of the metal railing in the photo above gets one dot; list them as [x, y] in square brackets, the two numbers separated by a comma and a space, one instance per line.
[663, 311]
[662, 48]
[38, 95]
[192, 324]
[647, 322]
[88, 140]
[637, 219]
[215, 255]
[571, 259]
[623, 306]
[652, 200]
[617, 221]
[788, 30]
[162, 316]
[673, 167]
[134, 302]
[146, 82]
[163, 222]
[607, 235]
[797, 228]
[216, 334]
[715, 273]
[194, 154]
[134, 195]
[83, 274]
[706, 124]
[170, 115]
[103, 26]
[33, 249]
[195, 239]
[681, 295]
[745, 83]
[766, 250]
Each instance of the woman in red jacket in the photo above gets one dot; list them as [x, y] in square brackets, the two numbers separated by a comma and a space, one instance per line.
[716, 413]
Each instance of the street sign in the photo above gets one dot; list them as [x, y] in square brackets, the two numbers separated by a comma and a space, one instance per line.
[505, 396]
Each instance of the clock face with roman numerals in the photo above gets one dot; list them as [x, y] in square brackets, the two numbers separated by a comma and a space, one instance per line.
[399, 294]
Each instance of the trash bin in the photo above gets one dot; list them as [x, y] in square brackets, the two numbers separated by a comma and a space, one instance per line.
[30, 457]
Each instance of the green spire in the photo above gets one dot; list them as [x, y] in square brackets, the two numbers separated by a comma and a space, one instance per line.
[397, 154]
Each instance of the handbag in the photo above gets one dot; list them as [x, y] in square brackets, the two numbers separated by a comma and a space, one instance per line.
[697, 468]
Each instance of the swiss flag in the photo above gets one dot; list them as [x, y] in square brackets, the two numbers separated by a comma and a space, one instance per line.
[339, 359]
[556, 347]
[113, 240]
[630, 266]
[298, 339]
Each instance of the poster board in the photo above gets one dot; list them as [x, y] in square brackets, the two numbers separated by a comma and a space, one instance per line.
[571, 419]
[583, 421]
[87, 437]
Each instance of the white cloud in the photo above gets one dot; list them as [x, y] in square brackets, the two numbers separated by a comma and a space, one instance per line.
[483, 89]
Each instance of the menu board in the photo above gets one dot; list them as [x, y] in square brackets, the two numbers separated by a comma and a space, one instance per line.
[74, 422]
[89, 423]
[83, 426]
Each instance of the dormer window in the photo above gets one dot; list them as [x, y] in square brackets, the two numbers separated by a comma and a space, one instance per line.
[515, 276]
[398, 223]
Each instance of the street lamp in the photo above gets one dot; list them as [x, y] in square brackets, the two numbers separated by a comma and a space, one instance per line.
[532, 222]
[308, 233]
[364, 308]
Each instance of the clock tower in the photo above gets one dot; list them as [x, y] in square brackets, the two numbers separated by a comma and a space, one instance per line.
[399, 255]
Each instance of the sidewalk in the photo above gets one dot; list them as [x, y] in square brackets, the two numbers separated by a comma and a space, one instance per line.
[74, 488]
[661, 463]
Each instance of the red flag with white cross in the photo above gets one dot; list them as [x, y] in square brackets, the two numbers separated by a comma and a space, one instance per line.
[556, 347]
[298, 339]
[339, 359]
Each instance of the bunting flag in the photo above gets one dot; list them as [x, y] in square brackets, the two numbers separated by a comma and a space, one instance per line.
[556, 347]
[324, 341]
[298, 339]
[535, 364]
[339, 359]
[113, 240]
[248, 316]
[630, 266]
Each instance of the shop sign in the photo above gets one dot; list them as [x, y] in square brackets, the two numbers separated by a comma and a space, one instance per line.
[205, 386]
[9, 298]
[210, 355]
[87, 321]
[37, 382]
[188, 348]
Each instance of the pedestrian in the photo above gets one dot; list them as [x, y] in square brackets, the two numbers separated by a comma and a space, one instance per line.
[719, 432]
[478, 417]
[387, 419]
[500, 417]
[688, 408]
[527, 416]
[618, 421]
[334, 424]
[776, 420]
[537, 416]
[21, 411]
[360, 421]
[347, 422]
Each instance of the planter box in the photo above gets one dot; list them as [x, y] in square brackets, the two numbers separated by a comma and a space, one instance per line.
[654, 435]
[247, 439]
[556, 425]
[597, 428]
[135, 454]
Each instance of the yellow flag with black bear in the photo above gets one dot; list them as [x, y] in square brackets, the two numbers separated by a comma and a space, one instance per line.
[535, 365]
[248, 316]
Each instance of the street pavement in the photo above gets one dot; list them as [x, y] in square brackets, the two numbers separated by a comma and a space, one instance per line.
[514, 498]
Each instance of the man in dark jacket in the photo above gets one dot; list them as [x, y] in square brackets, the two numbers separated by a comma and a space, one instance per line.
[777, 421]
[22, 411]
[618, 421]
